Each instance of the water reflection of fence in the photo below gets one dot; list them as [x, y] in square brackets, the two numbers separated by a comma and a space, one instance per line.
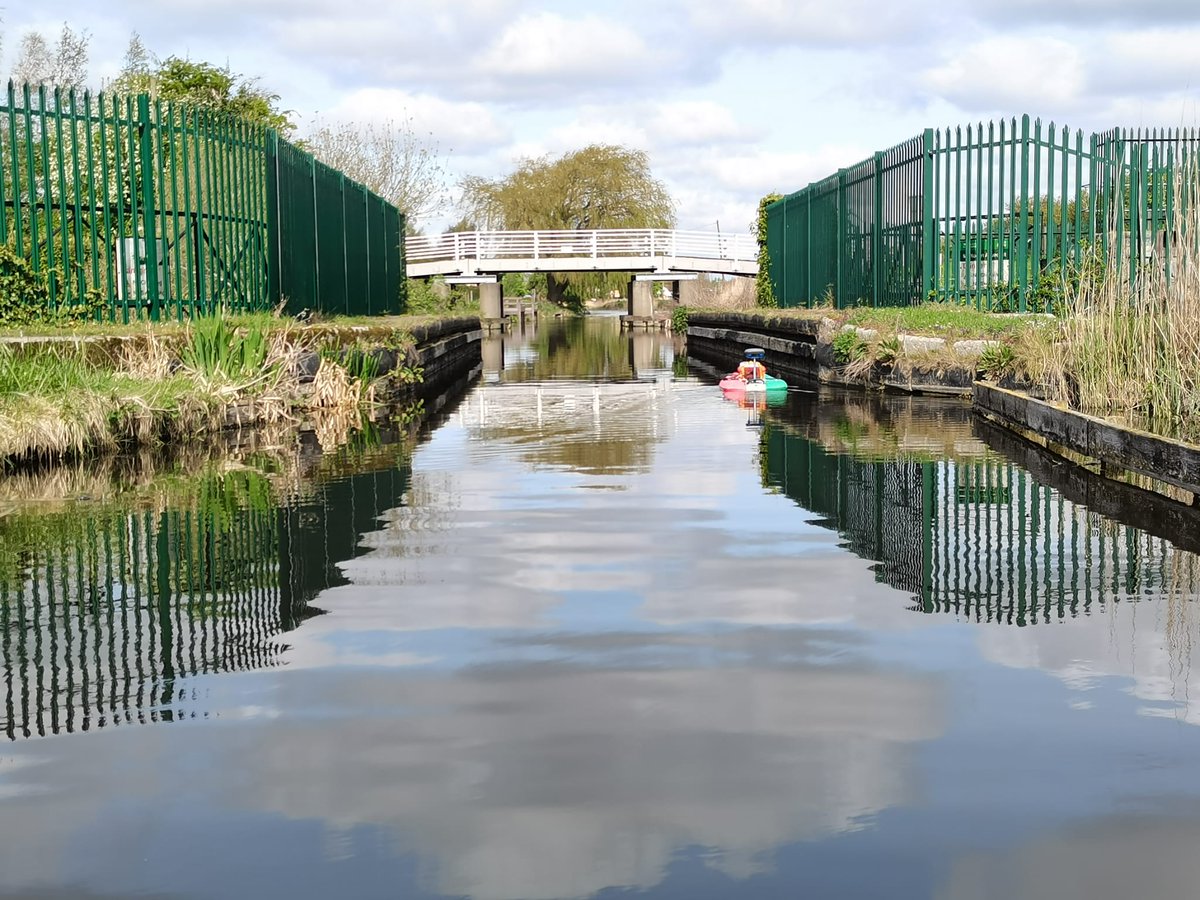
[98, 630]
[105, 615]
[981, 538]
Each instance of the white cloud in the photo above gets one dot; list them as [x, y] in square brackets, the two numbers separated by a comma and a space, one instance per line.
[687, 123]
[1145, 62]
[815, 22]
[548, 46]
[731, 97]
[465, 127]
[758, 172]
[1090, 14]
[1011, 73]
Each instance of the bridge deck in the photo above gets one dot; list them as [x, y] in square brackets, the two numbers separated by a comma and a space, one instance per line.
[486, 253]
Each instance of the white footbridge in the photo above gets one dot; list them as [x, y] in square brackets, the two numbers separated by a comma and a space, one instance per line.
[662, 253]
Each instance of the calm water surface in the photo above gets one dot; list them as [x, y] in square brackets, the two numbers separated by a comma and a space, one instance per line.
[603, 632]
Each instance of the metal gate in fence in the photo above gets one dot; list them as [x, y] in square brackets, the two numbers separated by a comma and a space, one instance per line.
[133, 208]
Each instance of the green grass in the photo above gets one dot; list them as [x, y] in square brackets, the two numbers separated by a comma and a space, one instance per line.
[57, 402]
[946, 320]
[941, 320]
[265, 322]
[70, 397]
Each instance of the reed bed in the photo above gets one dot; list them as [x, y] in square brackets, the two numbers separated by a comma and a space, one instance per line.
[1128, 345]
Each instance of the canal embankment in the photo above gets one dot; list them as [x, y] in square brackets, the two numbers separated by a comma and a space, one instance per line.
[1012, 371]
[922, 353]
[68, 395]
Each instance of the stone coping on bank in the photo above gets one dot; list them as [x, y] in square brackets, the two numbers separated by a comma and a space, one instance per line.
[803, 347]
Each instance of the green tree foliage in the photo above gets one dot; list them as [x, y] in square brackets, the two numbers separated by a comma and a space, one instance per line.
[216, 87]
[764, 292]
[199, 84]
[515, 284]
[600, 186]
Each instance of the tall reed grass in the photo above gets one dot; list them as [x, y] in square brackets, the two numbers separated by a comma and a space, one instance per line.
[55, 401]
[1129, 344]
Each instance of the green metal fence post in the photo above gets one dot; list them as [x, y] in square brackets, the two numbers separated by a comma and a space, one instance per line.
[400, 261]
[1023, 225]
[317, 248]
[274, 243]
[928, 225]
[927, 523]
[146, 133]
[346, 308]
[842, 233]
[877, 235]
[808, 241]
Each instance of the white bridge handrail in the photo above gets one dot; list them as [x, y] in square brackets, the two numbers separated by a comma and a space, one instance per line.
[607, 242]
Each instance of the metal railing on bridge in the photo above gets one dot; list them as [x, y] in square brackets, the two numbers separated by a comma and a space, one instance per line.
[598, 244]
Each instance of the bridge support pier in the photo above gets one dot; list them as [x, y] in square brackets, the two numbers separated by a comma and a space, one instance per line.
[492, 350]
[491, 306]
[640, 310]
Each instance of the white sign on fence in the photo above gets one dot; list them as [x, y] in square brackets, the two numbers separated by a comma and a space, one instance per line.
[130, 255]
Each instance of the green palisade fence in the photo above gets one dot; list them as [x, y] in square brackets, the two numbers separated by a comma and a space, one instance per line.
[147, 209]
[998, 215]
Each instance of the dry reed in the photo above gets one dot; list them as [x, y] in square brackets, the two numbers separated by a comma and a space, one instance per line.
[1129, 345]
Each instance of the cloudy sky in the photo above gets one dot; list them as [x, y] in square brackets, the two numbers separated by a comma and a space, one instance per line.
[731, 98]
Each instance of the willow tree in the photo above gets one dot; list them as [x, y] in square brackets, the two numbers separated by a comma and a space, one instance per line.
[600, 186]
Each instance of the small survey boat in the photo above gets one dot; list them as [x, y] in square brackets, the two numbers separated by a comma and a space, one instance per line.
[751, 376]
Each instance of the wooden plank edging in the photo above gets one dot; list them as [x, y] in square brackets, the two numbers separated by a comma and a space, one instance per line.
[1171, 461]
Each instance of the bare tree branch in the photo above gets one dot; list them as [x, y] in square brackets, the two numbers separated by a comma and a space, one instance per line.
[388, 158]
[63, 64]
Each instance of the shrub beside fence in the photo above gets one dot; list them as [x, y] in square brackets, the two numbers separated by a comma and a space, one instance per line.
[1002, 216]
[130, 208]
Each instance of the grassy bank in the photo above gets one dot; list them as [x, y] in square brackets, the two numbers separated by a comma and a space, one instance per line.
[110, 387]
[944, 320]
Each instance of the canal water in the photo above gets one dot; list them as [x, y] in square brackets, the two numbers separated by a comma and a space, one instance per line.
[600, 631]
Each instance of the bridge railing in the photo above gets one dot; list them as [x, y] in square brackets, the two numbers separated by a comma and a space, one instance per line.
[600, 243]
